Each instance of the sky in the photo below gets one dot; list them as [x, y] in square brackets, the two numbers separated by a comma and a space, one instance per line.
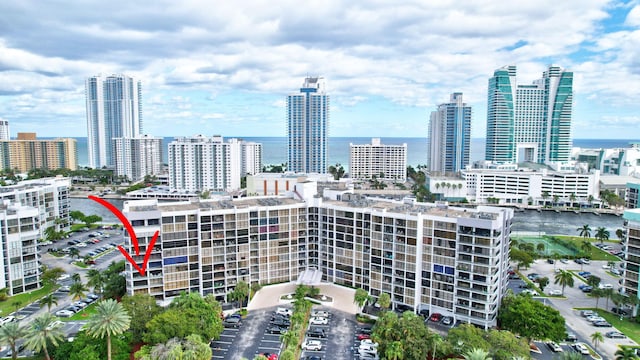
[226, 67]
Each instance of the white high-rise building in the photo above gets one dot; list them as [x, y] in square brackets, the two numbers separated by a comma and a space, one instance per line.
[19, 234]
[385, 162]
[308, 127]
[113, 111]
[4, 130]
[450, 136]
[200, 163]
[137, 157]
[251, 158]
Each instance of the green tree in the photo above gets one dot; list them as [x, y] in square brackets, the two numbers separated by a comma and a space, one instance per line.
[141, 308]
[593, 281]
[49, 276]
[620, 234]
[96, 280]
[337, 171]
[626, 353]
[476, 354]
[91, 219]
[543, 282]
[86, 347]
[597, 338]
[48, 301]
[545, 196]
[384, 300]
[242, 289]
[190, 348]
[570, 356]
[115, 284]
[608, 294]
[76, 216]
[10, 333]
[505, 345]
[602, 234]
[394, 351]
[77, 290]
[76, 277]
[540, 247]
[109, 319]
[564, 278]
[74, 253]
[522, 258]
[466, 337]
[585, 246]
[287, 355]
[585, 231]
[597, 293]
[41, 333]
[532, 319]
[360, 297]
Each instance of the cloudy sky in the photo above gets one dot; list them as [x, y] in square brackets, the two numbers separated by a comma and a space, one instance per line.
[226, 67]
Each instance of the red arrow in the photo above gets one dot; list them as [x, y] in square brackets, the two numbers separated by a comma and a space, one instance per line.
[132, 234]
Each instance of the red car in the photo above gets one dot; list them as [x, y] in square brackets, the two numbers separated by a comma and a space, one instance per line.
[364, 336]
[435, 317]
[270, 356]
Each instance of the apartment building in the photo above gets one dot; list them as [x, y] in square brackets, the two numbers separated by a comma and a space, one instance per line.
[528, 185]
[135, 158]
[27, 153]
[632, 259]
[450, 136]
[632, 195]
[385, 162]
[620, 161]
[50, 196]
[251, 162]
[18, 245]
[426, 256]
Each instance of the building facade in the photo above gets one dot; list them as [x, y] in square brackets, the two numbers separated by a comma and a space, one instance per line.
[529, 123]
[308, 127]
[113, 111]
[137, 157]
[385, 162]
[4, 130]
[632, 195]
[19, 251]
[631, 274]
[27, 153]
[450, 136]
[449, 260]
[251, 158]
[620, 161]
[201, 163]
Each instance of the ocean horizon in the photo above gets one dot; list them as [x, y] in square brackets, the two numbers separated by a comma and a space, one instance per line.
[275, 148]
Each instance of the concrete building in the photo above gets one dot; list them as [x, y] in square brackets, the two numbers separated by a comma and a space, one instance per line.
[137, 157]
[270, 184]
[450, 136]
[631, 274]
[4, 130]
[200, 163]
[425, 256]
[251, 158]
[632, 195]
[621, 161]
[530, 185]
[308, 127]
[19, 235]
[50, 196]
[529, 123]
[113, 111]
[28, 153]
[386, 162]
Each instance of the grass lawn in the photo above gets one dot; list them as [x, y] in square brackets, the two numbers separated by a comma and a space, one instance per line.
[625, 326]
[596, 253]
[80, 264]
[82, 314]
[8, 306]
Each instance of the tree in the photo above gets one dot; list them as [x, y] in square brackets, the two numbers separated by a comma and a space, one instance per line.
[570, 356]
[192, 348]
[109, 319]
[564, 278]
[545, 196]
[585, 231]
[466, 337]
[543, 282]
[76, 215]
[597, 293]
[10, 333]
[86, 347]
[532, 319]
[608, 294]
[360, 297]
[476, 354]
[41, 333]
[242, 289]
[620, 234]
[585, 246]
[141, 308]
[540, 248]
[337, 171]
[96, 280]
[49, 276]
[602, 234]
[74, 253]
[593, 281]
[409, 330]
[505, 345]
[76, 277]
[394, 351]
[384, 300]
[522, 258]
[597, 338]
[77, 290]
[48, 301]
[626, 353]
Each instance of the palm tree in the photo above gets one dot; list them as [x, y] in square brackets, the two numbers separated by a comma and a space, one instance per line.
[76, 277]
[74, 253]
[585, 246]
[585, 231]
[394, 351]
[476, 354]
[434, 340]
[110, 319]
[360, 297]
[608, 294]
[597, 338]
[48, 301]
[96, 280]
[620, 234]
[10, 333]
[77, 290]
[602, 234]
[597, 293]
[564, 278]
[545, 196]
[626, 353]
[41, 333]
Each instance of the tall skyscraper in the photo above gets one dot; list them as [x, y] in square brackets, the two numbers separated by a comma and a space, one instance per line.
[450, 136]
[308, 127]
[4, 130]
[113, 111]
[529, 122]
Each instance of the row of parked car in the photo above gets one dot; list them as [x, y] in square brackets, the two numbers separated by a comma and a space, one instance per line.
[77, 306]
[594, 319]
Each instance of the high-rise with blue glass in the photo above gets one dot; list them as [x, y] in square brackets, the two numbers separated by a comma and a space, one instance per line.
[308, 127]
[450, 136]
[113, 111]
[529, 123]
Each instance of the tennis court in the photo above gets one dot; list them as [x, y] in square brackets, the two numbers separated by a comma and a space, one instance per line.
[551, 246]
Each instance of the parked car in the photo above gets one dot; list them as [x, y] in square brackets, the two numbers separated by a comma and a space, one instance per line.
[65, 288]
[7, 319]
[555, 292]
[281, 323]
[320, 313]
[93, 296]
[319, 321]
[619, 311]
[232, 322]
[586, 313]
[601, 324]
[73, 308]
[276, 330]
[529, 292]
[363, 336]
[581, 348]
[284, 311]
[571, 338]
[584, 273]
[447, 320]
[270, 356]
[605, 286]
[435, 317]
[64, 313]
[615, 335]
[553, 346]
[54, 324]
[594, 318]
[587, 289]
[312, 345]
[368, 342]
[317, 333]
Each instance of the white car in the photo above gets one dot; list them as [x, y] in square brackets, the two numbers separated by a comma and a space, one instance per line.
[284, 311]
[64, 277]
[555, 292]
[318, 321]
[64, 313]
[529, 291]
[320, 314]
[605, 286]
[368, 342]
[579, 347]
[595, 318]
[55, 324]
[81, 304]
[312, 345]
[81, 244]
[368, 348]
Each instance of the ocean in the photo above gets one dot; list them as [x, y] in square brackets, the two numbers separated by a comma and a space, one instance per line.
[275, 148]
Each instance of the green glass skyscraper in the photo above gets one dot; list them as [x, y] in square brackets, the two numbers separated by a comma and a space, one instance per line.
[529, 123]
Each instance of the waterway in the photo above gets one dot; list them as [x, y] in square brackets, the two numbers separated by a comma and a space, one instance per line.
[549, 222]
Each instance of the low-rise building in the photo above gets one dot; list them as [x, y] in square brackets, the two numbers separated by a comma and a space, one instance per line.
[385, 162]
